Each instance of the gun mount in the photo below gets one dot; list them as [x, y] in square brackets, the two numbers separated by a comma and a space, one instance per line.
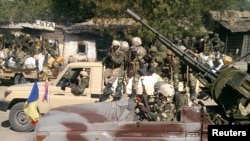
[229, 88]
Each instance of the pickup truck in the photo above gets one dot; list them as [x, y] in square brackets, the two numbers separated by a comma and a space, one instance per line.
[113, 121]
[21, 76]
[59, 93]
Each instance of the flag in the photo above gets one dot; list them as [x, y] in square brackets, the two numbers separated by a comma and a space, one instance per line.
[45, 96]
[30, 107]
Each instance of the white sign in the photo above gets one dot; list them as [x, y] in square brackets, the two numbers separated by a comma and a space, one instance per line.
[45, 25]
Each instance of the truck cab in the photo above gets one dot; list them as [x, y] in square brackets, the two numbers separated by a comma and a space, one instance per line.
[59, 93]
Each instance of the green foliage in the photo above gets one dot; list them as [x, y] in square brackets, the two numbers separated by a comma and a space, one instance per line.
[169, 17]
[24, 10]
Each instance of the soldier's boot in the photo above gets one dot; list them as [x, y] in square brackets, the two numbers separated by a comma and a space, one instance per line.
[106, 93]
[192, 94]
[118, 93]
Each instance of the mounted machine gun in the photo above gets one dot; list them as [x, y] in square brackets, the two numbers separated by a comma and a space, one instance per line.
[229, 88]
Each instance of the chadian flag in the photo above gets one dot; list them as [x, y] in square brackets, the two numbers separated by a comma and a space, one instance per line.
[30, 107]
[45, 96]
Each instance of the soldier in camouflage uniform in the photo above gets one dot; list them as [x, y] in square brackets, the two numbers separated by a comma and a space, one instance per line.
[135, 63]
[164, 108]
[155, 60]
[218, 45]
[114, 63]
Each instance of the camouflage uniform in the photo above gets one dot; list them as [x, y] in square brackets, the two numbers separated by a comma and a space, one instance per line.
[208, 46]
[164, 107]
[114, 63]
[83, 82]
[155, 60]
[135, 63]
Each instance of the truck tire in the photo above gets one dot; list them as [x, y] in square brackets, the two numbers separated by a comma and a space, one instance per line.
[19, 79]
[18, 119]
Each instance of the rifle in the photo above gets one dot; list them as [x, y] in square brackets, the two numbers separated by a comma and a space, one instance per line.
[145, 109]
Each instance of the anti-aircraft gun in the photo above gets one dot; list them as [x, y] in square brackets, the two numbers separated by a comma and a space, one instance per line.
[229, 88]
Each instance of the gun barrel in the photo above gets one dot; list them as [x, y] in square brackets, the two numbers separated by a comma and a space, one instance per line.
[188, 59]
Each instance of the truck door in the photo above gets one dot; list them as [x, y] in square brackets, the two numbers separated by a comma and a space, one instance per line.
[61, 94]
[148, 131]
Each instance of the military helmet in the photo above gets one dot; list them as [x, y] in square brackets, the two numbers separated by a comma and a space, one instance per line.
[1, 35]
[124, 46]
[153, 49]
[115, 43]
[216, 35]
[136, 41]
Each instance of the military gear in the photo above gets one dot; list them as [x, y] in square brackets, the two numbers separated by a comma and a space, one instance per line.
[115, 43]
[136, 41]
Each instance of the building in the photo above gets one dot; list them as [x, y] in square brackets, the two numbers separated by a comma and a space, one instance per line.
[81, 40]
[234, 29]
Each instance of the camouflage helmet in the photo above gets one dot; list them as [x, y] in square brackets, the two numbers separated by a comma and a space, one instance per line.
[153, 49]
[115, 43]
[136, 41]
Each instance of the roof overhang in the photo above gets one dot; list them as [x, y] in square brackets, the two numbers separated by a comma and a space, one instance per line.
[235, 21]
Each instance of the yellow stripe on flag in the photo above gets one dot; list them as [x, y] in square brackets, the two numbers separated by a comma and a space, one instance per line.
[31, 111]
[30, 107]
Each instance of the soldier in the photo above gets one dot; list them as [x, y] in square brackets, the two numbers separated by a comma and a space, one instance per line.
[164, 106]
[135, 63]
[83, 82]
[137, 43]
[208, 45]
[114, 63]
[155, 60]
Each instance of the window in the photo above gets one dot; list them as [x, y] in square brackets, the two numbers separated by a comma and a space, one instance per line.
[81, 48]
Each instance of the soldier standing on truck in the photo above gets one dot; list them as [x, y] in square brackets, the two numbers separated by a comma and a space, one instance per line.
[139, 52]
[114, 63]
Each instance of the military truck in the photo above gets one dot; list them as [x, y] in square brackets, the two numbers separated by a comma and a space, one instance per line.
[21, 76]
[59, 93]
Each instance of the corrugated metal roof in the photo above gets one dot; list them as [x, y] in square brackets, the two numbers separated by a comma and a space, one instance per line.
[235, 21]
